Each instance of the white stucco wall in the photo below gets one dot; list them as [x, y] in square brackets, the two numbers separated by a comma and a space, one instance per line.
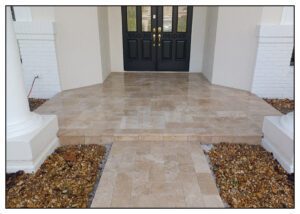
[115, 38]
[104, 41]
[78, 46]
[34, 13]
[271, 15]
[36, 42]
[81, 47]
[235, 47]
[197, 38]
[230, 57]
[209, 43]
[88, 41]
[287, 17]
[273, 75]
[34, 28]
[23, 14]
[42, 13]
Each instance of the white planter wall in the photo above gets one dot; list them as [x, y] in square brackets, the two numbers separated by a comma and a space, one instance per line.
[273, 75]
[37, 49]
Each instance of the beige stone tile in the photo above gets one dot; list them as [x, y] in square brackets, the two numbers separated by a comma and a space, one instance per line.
[156, 173]
[153, 137]
[93, 140]
[107, 138]
[158, 201]
[200, 166]
[184, 158]
[213, 201]
[207, 184]
[170, 138]
[71, 140]
[103, 195]
[142, 150]
[192, 192]
[126, 138]
[171, 169]
[70, 132]
[140, 188]
[187, 169]
[149, 118]
[166, 188]
[163, 105]
[184, 104]
[199, 159]
[122, 190]
[195, 138]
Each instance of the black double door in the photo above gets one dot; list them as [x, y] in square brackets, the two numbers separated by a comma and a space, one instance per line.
[156, 38]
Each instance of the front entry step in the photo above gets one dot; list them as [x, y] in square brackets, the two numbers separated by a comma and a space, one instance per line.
[203, 139]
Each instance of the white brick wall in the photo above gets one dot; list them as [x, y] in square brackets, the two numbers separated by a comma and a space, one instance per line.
[37, 48]
[273, 75]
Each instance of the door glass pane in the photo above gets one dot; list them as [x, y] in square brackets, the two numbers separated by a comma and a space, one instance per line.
[182, 18]
[146, 18]
[131, 18]
[167, 18]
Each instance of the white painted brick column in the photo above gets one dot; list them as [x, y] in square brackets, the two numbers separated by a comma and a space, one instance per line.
[273, 75]
[30, 137]
[37, 49]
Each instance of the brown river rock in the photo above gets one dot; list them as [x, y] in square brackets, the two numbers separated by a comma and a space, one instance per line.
[65, 179]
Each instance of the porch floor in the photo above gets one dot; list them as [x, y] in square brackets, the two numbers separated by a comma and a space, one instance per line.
[157, 107]
[156, 122]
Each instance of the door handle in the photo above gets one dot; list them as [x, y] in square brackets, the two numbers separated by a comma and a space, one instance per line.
[154, 36]
[159, 37]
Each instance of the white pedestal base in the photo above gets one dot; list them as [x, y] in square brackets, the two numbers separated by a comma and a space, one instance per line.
[279, 140]
[27, 152]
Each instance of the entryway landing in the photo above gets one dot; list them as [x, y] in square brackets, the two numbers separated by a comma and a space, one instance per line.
[157, 107]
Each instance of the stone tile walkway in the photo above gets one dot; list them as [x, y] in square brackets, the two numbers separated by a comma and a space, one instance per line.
[157, 107]
[157, 174]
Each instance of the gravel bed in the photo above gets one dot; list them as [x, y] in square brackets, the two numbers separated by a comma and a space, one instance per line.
[68, 178]
[34, 103]
[248, 176]
[283, 105]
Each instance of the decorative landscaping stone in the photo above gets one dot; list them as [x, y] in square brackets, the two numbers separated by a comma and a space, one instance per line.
[35, 103]
[65, 179]
[249, 177]
[283, 105]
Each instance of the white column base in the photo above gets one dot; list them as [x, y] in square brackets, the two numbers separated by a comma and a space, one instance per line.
[30, 123]
[284, 162]
[28, 151]
[279, 140]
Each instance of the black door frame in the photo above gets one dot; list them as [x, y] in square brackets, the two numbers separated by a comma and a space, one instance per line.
[138, 42]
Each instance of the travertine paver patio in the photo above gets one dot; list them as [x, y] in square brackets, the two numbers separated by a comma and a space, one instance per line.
[157, 107]
[156, 122]
[156, 174]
